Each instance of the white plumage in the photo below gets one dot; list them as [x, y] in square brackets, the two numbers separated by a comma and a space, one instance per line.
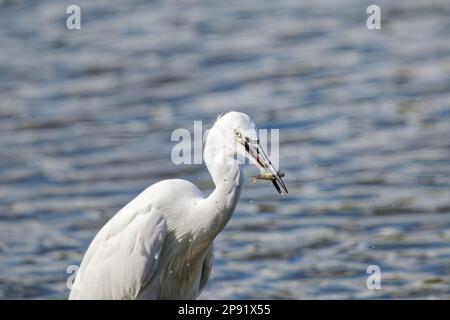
[160, 245]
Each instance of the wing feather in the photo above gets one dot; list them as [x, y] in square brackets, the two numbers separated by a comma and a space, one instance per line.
[122, 258]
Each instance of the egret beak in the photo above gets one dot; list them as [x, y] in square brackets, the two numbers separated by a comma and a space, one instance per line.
[260, 158]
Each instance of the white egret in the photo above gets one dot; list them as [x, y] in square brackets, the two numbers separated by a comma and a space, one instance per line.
[160, 245]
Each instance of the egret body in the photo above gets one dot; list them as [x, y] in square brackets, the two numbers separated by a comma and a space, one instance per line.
[160, 245]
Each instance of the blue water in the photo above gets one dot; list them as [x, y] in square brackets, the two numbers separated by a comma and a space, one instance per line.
[364, 118]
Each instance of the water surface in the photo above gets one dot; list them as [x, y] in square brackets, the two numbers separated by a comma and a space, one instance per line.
[364, 118]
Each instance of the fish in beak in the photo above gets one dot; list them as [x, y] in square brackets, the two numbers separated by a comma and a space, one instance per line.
[268, 171]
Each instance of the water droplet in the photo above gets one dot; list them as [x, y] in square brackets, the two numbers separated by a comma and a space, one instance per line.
[170, 271]
[251, 201]
[187, 264]
[316, 165]
[190, 240]
[156, 256]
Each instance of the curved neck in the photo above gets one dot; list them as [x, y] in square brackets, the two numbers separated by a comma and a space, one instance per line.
[218, 207]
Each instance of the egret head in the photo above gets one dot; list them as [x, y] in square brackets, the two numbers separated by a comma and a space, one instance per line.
[240, 136]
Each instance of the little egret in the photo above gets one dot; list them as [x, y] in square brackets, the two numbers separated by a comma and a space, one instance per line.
[160, 245]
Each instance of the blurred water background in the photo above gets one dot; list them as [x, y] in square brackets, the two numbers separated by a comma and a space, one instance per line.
[364, 116]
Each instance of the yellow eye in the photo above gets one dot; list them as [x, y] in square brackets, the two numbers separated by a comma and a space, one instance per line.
[237, 133]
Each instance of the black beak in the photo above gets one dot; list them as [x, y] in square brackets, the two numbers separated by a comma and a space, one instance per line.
[254, 149]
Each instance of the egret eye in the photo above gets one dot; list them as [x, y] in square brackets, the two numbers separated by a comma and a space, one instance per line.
[237, 133]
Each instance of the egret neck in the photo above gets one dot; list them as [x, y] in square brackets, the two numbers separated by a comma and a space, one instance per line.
[225, 171]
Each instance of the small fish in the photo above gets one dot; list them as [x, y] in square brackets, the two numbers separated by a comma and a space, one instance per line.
[275, 180]
[266, 176]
